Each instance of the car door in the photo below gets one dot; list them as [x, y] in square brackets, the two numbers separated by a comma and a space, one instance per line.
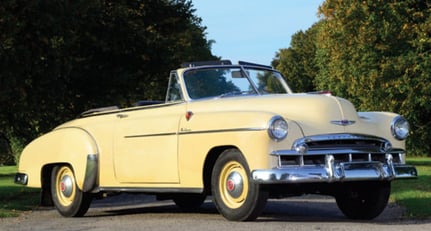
[145, 144]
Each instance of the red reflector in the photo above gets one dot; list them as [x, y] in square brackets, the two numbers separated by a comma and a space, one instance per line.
[189, 115]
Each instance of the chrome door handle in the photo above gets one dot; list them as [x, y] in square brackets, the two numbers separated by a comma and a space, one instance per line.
[120, 116]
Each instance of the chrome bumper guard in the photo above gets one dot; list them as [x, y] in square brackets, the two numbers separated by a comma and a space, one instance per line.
[335, 172]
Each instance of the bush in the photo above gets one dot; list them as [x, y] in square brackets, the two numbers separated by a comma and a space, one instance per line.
[6, 154]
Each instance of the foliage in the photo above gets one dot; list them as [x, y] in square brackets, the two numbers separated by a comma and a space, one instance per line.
[375, 53]
[59, 58]
[6, 155]
[297, 63]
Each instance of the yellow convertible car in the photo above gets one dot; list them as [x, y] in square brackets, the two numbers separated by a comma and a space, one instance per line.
[235, 132]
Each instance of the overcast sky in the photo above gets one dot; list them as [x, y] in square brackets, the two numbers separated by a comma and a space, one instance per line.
[252, 30]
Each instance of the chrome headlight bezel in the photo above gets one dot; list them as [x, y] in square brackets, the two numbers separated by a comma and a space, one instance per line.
[400, 128]
[278, 128]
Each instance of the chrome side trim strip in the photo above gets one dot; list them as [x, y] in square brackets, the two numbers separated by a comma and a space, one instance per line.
[186, 132]
[151, 135]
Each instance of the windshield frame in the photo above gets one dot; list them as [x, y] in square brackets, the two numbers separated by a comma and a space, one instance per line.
[244, 72]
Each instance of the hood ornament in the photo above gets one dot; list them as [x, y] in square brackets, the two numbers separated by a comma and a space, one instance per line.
[343, 122]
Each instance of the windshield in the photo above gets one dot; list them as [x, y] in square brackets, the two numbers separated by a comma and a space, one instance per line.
[232, 81]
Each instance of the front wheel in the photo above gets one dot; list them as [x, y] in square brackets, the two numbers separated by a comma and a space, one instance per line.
[69, 200]
[235, 196]
[364, 200]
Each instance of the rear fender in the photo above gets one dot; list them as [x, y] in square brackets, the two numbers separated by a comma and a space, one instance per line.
[72, 146]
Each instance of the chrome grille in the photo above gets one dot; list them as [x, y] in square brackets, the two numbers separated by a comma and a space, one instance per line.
[347, 143]
[346, 148]
[339, 158]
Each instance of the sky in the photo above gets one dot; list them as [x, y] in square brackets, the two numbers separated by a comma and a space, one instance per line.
[254, 30]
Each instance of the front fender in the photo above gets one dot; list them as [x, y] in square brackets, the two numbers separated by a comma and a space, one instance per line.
[72, 145]
[245, 130]
[377, 124]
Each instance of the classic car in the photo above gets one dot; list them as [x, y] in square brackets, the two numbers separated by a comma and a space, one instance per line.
[235, 132]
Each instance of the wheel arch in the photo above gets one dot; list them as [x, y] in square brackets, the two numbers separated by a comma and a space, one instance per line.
[235, 196]
[210, 160]
[45, 178]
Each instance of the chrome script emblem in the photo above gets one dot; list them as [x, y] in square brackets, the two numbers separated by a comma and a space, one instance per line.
[343, 122]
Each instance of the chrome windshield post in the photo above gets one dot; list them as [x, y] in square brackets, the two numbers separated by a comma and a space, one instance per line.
[253, 84]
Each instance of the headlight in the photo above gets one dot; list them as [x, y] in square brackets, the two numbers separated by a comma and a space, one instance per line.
[400, 128]
[277, 128]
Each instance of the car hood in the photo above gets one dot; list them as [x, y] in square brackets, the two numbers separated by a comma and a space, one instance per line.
[315, 114]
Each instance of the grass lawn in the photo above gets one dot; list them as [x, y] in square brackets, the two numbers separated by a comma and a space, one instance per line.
[414, 195]
[15, 198]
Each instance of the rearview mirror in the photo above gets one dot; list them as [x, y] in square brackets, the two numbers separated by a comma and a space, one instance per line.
[237, 74]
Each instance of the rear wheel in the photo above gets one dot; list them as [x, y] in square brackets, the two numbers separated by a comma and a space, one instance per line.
[69, 200]
[364, 200]
[235, 196]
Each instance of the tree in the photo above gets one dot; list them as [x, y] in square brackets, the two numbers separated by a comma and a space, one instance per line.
[6, 155]
[61, 57]
[377, 54]
[297, 63]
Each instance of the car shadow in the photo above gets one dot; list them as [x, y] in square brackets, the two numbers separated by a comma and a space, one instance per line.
[298, 209]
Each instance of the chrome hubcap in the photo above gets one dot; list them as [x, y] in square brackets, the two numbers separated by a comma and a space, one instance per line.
[66, 186]
[234, 184]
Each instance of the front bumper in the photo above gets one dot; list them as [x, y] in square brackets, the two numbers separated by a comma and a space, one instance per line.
[335, 172]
